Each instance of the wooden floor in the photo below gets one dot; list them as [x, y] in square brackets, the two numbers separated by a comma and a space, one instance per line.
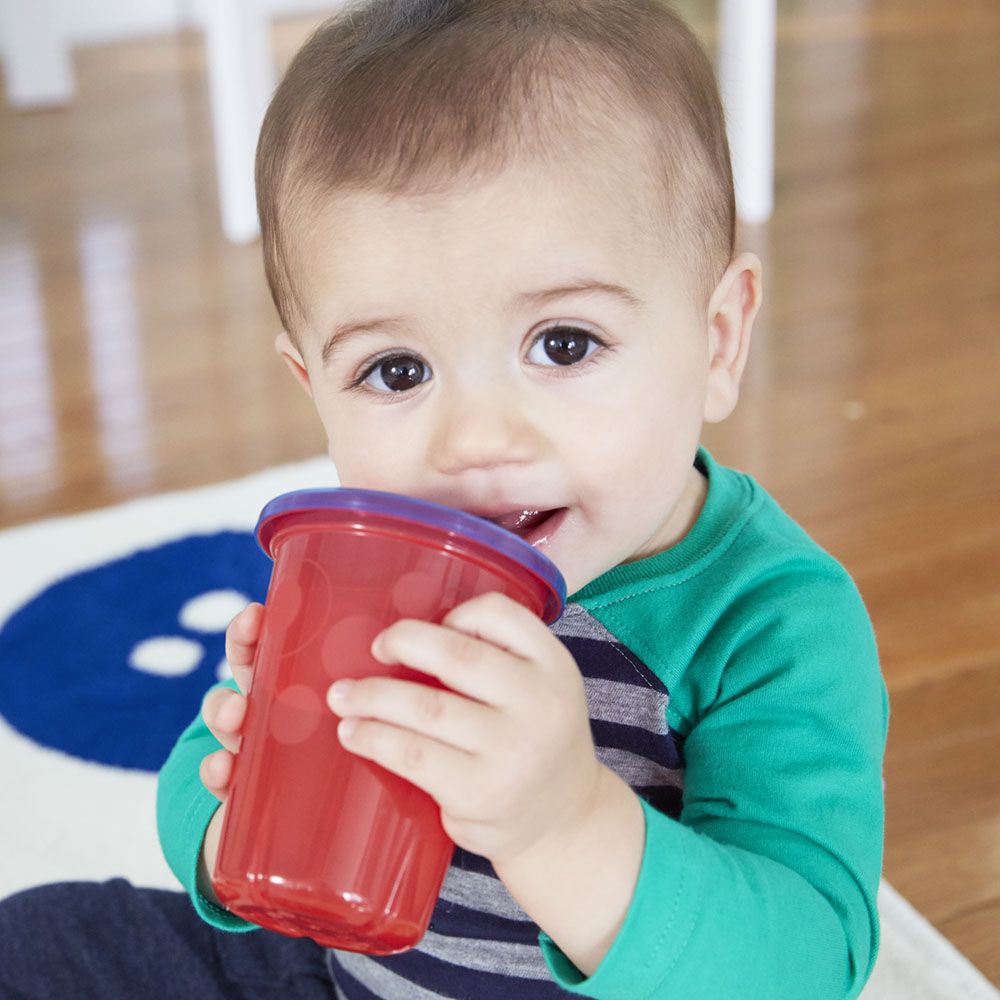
[136, 357]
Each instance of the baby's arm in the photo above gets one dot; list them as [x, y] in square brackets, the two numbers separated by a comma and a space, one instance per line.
[766, 886]
[193, 783]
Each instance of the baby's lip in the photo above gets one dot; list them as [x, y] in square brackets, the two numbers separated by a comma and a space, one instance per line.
[501, 507]
[521, 520]
[531, 525]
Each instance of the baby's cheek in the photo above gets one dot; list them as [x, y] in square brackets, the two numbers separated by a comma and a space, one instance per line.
[367, 463]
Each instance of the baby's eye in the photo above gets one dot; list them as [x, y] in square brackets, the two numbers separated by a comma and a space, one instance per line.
[563, 346]
[396, 373]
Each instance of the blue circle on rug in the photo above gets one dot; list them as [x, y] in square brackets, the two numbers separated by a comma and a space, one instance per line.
[68, 675]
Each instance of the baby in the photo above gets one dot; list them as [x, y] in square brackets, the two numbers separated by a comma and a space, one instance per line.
[499, 235]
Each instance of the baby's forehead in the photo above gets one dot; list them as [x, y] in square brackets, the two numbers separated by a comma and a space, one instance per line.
[488, 247]
[566, 206]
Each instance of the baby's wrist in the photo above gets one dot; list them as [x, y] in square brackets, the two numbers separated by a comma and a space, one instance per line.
[207, 855]
[578, 887]
[585, 826]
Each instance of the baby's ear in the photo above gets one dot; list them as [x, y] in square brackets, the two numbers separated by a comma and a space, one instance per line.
[731, 313]
[284, 346]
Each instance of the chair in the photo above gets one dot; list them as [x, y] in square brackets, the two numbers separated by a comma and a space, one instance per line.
[242, 76]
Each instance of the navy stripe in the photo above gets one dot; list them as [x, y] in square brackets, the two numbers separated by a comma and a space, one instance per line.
[664, 798]
[472, 862]
[456, 920]
[611, 661]
[659, 748]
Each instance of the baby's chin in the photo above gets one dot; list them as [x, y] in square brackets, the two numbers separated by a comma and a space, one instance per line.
[578, 562]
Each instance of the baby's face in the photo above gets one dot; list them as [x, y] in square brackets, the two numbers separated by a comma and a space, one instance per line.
[470, 387]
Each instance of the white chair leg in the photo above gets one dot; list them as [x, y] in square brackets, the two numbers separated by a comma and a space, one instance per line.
[746, 79]
[37, 64]
[241, 80]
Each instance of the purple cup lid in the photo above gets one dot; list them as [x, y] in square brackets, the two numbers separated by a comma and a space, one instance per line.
[426, 512]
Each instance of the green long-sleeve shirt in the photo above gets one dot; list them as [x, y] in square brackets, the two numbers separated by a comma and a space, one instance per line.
[733, 681]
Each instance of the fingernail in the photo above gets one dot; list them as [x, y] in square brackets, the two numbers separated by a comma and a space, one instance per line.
[341, 689]
[346, 728]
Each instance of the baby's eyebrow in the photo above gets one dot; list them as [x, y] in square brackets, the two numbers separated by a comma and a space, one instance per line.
[582, 286]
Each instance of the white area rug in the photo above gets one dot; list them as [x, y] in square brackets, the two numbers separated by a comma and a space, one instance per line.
[64, 817]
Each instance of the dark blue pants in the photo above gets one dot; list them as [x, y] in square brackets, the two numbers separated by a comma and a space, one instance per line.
[111, 941]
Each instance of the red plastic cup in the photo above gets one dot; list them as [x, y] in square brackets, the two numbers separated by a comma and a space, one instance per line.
[316, 841]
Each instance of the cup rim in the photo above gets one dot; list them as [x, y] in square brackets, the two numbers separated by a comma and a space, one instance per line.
[428, 513]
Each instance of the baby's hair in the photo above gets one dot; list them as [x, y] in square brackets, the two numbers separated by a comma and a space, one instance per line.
[407, 97]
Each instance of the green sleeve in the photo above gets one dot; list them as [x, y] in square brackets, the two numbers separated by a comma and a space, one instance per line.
[183, 810]
[766, 886]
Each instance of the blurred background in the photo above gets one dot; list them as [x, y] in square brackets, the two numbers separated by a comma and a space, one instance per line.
[136, 338]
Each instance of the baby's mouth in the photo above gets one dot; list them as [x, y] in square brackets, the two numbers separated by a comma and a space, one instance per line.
[532, 525]
[521, 521]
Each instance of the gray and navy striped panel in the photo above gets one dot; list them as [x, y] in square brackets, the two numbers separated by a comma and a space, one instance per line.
[481, 945]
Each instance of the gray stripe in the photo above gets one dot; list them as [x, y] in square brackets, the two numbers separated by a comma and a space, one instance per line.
[480, 892]
[377, 978]
[500, 957]
[628, 704]
[639, 772]
[578, 622]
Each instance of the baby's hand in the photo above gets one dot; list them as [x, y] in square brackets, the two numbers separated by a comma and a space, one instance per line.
[505, 748]
[223, 709]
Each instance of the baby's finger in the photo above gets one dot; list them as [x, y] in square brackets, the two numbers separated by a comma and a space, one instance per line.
[215, 770]
[241, 642]
[224, 711]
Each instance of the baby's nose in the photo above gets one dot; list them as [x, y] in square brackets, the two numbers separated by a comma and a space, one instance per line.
[484, 429]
